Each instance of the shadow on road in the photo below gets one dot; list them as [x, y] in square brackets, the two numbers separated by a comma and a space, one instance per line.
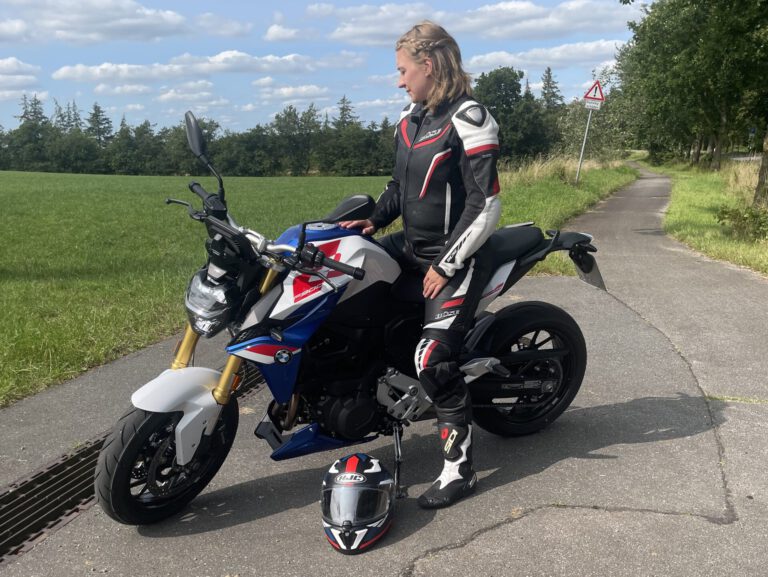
[579, 434]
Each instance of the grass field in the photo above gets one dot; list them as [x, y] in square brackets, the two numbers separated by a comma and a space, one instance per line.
[696, 197]
[93, 267]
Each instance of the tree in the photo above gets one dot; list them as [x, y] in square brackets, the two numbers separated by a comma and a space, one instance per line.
[121, 150]
[688, 68]
[99, 126]
[552, 105]
[28, 144]
[500, 92]
[551, 98]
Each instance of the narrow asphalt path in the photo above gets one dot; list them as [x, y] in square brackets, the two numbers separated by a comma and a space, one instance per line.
[649, 472]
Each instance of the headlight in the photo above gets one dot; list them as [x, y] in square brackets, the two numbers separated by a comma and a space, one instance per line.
[210, 306]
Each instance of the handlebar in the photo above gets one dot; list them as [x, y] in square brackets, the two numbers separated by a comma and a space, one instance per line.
[311, 255]
[197, 188]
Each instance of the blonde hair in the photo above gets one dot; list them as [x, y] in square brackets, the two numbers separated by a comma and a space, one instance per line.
[430, 40]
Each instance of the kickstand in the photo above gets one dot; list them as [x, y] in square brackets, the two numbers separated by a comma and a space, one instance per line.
[400, 491]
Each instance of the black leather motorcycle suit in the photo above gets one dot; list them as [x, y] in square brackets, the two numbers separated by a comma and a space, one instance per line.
[445, 186]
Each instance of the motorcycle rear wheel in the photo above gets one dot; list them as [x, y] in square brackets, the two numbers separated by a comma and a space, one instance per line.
[534, 326]
[137, 479]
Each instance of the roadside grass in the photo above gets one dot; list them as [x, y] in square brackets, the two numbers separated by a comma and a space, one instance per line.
[94, 267]
[697, 195]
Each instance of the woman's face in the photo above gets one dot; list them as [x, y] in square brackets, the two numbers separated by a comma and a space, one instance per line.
[415, 78]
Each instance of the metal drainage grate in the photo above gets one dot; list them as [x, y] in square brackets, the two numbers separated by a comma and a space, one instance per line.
[46, 500]
[36, 505]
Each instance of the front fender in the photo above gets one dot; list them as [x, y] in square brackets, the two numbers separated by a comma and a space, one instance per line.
[187, 390]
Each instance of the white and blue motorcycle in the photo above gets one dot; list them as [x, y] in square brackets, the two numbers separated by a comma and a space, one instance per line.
[322, 315]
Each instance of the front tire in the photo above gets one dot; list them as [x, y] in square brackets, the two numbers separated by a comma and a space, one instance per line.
[137, 479]
[533, 326]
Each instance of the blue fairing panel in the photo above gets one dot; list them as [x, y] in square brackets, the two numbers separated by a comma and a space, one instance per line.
[311, 440]
[315, 233]
[281, 376]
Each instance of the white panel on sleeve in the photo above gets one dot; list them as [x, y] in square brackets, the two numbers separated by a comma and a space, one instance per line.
[476, 138]
[472, 238]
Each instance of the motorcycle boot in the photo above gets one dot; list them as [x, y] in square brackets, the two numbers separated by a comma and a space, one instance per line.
[457, 479]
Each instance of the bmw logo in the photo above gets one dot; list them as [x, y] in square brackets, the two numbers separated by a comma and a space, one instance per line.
[283, 356]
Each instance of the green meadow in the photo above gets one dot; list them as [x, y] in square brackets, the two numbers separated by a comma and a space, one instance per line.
[94, 267]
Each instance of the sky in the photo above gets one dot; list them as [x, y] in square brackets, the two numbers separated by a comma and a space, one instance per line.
[240, 63]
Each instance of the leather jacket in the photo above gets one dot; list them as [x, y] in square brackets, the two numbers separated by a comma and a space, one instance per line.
[445, 182]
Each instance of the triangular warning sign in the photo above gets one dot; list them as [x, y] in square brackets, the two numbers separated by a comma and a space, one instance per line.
[595, 92]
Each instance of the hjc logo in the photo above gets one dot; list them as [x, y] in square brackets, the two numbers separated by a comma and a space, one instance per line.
[350, 478]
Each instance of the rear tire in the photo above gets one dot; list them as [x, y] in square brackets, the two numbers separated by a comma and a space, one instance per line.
[539, 326]
[137, 479]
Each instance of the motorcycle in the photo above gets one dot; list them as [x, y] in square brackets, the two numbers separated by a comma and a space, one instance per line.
[325, 317]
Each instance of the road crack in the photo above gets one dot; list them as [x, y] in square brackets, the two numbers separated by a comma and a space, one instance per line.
[519, 514]
[730, 515]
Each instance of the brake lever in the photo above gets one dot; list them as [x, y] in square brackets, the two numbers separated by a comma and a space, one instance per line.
[194, 214]
[293, 263]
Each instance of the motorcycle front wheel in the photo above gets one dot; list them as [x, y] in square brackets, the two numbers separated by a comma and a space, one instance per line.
[138, 481]
[544, 328]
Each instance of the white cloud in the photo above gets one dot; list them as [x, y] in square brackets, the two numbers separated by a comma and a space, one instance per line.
[578, 53]
[13, 65]
[395, 102]
[91, 21]
[189, 66]
[134, 107]
[219, 26]
[299, 93]
[185, 66]
[197, 91]
[382, 25]
[388, 79]
[379, 25]
[265, 81]
[524, 19]
[277, 33]
[122, 89]
[320, 10]
[18, 78]
[13, 30]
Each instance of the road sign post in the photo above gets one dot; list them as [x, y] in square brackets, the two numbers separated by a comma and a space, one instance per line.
[593, 99]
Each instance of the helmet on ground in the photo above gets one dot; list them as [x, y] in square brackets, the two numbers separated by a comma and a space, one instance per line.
[358, 498]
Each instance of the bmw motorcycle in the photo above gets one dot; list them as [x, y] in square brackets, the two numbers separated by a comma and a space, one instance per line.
[324, 317]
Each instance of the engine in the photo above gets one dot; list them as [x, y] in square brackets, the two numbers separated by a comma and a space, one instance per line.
[350, 417]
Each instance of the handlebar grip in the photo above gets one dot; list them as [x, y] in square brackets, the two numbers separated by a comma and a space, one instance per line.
[197, 188]
[353, 271]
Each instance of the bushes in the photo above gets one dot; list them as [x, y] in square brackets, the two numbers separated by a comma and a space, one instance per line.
[746, 222]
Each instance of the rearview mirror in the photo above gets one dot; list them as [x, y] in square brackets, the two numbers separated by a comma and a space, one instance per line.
[195, 136]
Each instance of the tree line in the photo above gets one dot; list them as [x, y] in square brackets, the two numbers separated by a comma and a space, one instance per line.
[296, 142]
[692, 81]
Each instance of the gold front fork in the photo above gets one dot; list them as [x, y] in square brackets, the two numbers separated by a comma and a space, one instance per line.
[185, 349]
[229, 380]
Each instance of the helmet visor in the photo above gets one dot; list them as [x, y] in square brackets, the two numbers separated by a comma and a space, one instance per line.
[358, 505]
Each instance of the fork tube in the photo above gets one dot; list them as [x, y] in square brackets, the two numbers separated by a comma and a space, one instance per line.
[269, 280]
[223, 390]
[185, 349]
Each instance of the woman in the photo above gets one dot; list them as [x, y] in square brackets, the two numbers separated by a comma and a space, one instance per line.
[445, 187]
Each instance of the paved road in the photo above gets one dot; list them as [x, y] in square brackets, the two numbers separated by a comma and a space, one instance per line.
[647, 474]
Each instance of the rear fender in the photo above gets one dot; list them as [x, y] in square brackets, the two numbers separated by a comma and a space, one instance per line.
[187, 390]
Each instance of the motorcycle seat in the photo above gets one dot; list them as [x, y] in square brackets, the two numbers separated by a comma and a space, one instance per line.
[512, 242]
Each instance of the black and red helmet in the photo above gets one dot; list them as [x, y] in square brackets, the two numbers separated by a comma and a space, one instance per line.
[357, 501]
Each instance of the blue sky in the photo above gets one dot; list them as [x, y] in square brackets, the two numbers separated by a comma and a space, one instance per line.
[241, 62]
